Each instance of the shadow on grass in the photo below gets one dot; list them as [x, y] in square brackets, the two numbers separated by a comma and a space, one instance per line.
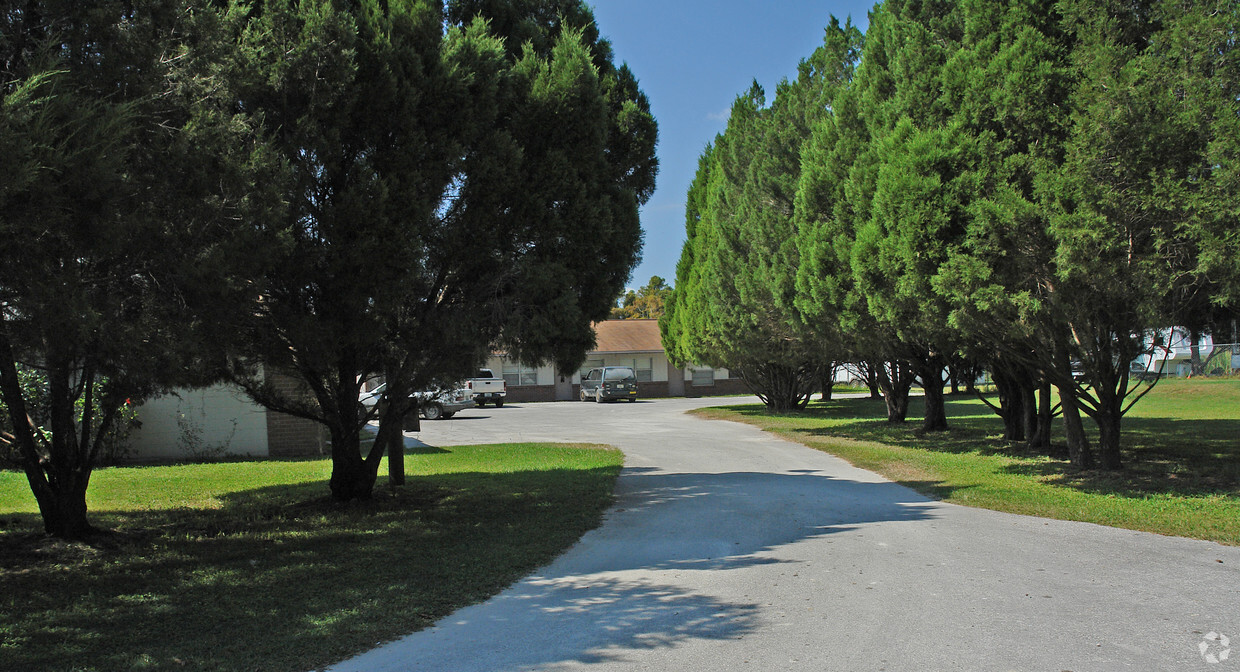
[1161, 455]
[281, 578]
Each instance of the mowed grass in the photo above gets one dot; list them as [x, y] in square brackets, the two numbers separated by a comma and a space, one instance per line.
[250, 566]
[1181, 448]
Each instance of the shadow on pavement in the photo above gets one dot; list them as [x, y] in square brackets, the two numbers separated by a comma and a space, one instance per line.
[622, 588]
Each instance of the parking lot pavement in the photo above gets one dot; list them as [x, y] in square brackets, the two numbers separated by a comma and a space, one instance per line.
[729, 549]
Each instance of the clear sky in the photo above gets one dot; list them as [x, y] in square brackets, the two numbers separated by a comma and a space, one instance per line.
[692, 58]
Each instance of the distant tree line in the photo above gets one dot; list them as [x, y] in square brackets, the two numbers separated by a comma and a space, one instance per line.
[195, 190]
[644, 303]
[1033, 187]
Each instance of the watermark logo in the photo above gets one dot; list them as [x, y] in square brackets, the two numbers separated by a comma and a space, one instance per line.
[1215, 648]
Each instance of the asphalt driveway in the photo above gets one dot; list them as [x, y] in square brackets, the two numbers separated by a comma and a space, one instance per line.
[728, 549]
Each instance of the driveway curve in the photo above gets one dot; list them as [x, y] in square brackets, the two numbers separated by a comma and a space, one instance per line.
[730, 549]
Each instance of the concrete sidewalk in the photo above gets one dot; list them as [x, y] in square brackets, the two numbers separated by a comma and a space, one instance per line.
[728, 549]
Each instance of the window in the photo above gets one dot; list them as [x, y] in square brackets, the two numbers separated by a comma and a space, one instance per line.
[644, 368]
[516, 375]
[703, 377]
[618, 373]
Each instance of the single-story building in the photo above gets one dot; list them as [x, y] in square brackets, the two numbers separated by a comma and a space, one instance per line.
[1172, 352]
[634, 343]
[221, 421]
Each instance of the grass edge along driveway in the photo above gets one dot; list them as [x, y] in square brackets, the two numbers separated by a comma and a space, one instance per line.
[249, 565]
[1181, 448]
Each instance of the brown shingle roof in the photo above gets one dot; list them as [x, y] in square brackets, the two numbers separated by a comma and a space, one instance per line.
[628, 336]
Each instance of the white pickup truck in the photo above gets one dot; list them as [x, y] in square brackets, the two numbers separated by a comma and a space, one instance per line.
[486, 387]
[432, 404]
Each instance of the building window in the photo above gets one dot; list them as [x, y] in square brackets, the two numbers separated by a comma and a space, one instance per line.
[516, 375]
[644, 368]
[703, 377]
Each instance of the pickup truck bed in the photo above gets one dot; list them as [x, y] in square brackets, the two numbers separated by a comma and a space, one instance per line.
[485, 387]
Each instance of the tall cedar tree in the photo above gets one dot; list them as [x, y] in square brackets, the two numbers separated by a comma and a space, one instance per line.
[734, 302]
[1122, 203]
[994, 279]
[119, 191]
[449, 192]
[909, 212]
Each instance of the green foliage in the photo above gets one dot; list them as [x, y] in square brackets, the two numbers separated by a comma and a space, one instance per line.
[736, 281]
[118, 199]
[207, 555]
[332, 191]
[1184, 477]
[426, 214]
[647, 303]
[34, 385]
[1029, 185]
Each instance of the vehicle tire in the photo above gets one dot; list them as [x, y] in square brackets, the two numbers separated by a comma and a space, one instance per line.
[582, 395]
[499, 403]
[598, 396]
[632, 399]
[432, 411]
[448, 415]
[480, 403]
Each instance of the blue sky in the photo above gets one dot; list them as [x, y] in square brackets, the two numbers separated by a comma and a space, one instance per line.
[692, 58]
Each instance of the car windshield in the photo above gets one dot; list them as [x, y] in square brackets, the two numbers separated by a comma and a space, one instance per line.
[622, 373]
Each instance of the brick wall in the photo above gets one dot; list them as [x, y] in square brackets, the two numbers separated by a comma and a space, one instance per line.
[721, 387]
[289, 436]
[653, 389]
[645, 390]
[519, 393]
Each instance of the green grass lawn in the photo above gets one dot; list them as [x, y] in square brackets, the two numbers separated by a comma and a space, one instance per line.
[249, 566]
[1181, 452]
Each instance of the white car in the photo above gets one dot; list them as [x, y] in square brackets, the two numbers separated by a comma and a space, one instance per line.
[432, 404]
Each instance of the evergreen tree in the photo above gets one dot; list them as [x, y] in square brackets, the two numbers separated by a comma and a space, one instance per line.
[431, 213]
[646, 303]
[119, 190]
[734, 303]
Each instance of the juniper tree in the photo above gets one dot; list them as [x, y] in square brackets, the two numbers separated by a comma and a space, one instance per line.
[451, 188]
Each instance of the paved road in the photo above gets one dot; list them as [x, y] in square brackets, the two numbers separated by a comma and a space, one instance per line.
[728, 549]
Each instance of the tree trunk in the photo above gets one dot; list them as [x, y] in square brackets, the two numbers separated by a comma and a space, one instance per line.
[351, 478]
[828, 381]
[394, 421]
[953, 375]
[58, 479]
[1029, 411]
[396, 459]
[931, 374]
[1010, 400]
[895, 379]
[871, 380]
[1194, 344]
[1108, 440]
[64, 513]
[781, 387]
[1079, 452]
[1042, 439]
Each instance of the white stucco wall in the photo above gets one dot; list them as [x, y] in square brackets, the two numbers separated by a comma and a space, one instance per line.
[658, 371]
[215, 421]
[656, 361]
